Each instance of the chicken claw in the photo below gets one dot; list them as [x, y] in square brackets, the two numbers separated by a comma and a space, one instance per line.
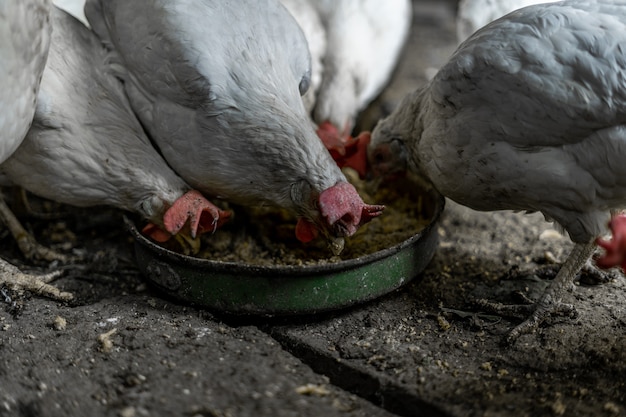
[30, 248]
[13, 278]
[550, 303]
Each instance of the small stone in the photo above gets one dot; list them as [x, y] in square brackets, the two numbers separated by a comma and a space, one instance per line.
[128, 412]
[611, 408]
[558, 407]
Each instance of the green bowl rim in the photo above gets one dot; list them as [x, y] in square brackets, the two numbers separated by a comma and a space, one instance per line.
[287, 270]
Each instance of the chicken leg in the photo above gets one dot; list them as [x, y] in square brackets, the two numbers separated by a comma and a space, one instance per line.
[29, 247]
[12, 277]
[550, 302]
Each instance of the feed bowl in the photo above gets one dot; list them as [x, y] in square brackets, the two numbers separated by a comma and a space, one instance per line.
[241, 288]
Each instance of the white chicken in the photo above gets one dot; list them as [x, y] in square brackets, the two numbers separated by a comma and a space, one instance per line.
[474, 14]
[218, 85]
[528, 114]
[364, 41]
[24, 43]
[86, 147]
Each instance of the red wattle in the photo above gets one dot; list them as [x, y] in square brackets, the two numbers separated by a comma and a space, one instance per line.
[305, 230]
[155, 233]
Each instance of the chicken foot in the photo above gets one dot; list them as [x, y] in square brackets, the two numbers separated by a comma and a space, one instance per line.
[21, 203]
[550, 302]
[589, 274]
[29, 247]
[13, 278]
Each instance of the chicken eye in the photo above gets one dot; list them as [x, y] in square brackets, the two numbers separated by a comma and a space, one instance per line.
[305, 83]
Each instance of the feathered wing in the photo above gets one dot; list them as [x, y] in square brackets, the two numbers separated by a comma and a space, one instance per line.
[535, 118]
[562, 75]
[165, 89]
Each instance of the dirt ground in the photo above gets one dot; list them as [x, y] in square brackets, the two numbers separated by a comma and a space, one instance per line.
[125, 350]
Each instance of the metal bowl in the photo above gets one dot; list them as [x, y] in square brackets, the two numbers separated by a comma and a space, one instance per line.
[238, 288]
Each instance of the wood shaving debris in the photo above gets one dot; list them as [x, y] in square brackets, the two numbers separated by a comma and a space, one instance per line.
[59, 323]
[106, 344]
[313, 389]
[443, 323]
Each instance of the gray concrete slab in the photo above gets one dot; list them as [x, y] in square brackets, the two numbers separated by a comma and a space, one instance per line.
[430, 343]
[136, 355]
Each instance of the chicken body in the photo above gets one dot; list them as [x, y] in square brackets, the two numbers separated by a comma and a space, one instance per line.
[24, 42]
[86, 147]
[528, 114]
[217, 85]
